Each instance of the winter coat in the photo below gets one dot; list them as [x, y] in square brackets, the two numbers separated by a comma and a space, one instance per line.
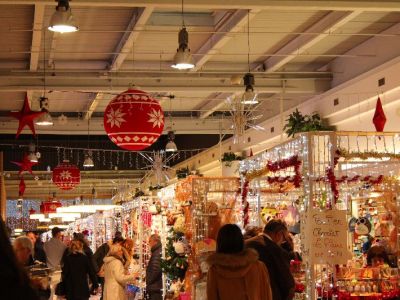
[237, 277]
[76, 269]
[153, 271]
[115, 279]
[277, 263]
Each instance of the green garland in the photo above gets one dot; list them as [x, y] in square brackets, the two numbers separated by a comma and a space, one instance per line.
[174, 265]
[366, 154]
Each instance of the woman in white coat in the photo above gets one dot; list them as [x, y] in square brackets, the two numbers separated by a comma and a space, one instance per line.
[115, 276]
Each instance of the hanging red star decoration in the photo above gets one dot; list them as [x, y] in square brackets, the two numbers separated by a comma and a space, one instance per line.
[26, 117]
[379, 118]
[21, 188]
[25, 165]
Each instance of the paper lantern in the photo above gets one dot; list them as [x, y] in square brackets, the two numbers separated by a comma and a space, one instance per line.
[133, 120]
[49, 207]
[66, 176]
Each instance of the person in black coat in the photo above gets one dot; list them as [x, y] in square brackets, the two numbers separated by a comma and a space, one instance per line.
[275, 258]
[77, 267]
[153, 270]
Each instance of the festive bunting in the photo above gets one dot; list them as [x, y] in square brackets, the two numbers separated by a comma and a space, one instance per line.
[25, 117]
[379, 118]
[25, 165]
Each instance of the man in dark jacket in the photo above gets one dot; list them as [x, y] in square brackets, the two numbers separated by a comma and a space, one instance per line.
[275, 259]
[153, 271]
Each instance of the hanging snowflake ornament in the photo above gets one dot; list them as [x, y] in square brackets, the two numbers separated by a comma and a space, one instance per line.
[62, 119]
[379, 118]
[66, 176]
[243, 117]
[158, 165]
[133, 120]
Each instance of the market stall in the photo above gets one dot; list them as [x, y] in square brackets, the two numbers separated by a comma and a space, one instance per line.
[340, 191]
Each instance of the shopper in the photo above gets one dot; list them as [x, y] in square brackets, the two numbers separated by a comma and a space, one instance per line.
[114, 275]
[153, 270]
[288, 246]
[77, 267]
[235, 273]
[98, 259]
[377, 256]
[39, 253]
[54, 249]
[275, 259]
[251, 231]
[14, 282]
[130, 263]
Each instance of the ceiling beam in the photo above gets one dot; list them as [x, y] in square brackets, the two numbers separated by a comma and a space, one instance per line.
[329, 23]
[36, 36]
[125, 45]
[231, 22]
[344, 5]
[93, 105]
[183, 82]
[181, 125]
[52, 50]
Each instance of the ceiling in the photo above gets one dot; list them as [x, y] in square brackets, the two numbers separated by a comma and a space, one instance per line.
[290, 46]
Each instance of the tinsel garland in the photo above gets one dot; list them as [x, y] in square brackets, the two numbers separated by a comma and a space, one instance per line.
[367, 179]
[343, 153]
[292, 161]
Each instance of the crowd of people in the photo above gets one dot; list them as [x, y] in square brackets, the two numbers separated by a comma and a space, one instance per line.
[75, 271]
[252, 266]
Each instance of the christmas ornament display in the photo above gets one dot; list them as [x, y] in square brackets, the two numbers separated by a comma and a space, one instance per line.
[66, 175]
[25, 165]
[133, 120]
[379, 118]
[25, 117]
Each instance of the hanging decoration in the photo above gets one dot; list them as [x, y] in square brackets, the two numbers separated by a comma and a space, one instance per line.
[134, 120]
[66, 175]
[25, 165]
[379, 118]
[25, 117]
[245, 203]
[21, 187]
[346, 155]
[158, 166]
[49, 206]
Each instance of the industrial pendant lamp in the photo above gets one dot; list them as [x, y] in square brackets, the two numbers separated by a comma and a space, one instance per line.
[33, 156]
[171, 146]
[45, 119]
[183, 59]
[62, 20]
[249, 97]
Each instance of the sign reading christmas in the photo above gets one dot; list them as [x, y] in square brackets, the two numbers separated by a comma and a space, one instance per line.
[66, 176]
[133, 120]
[324, 237]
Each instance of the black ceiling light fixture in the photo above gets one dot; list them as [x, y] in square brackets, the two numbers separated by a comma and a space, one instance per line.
[183, 59]
[62, 20]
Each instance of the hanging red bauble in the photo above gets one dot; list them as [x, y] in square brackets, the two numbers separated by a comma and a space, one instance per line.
[25, 164]
[21, 187]
[32, 211]
[25, 117]
[49, 206]
[379, 118]
[66, 175]
[133, 120]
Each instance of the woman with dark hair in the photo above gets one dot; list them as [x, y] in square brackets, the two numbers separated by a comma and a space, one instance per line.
[14, 282]
[377, 256]
[75, 272]
[235, 273]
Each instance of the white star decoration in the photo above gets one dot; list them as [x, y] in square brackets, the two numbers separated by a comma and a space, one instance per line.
[65, 175]
[156, 117]
[115, 117]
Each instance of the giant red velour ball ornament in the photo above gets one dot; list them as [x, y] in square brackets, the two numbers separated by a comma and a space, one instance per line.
[133, 120]
[66, 175]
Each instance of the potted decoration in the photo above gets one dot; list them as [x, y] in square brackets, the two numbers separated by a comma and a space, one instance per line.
[182, 173]
[297, 122]
[230, 164]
